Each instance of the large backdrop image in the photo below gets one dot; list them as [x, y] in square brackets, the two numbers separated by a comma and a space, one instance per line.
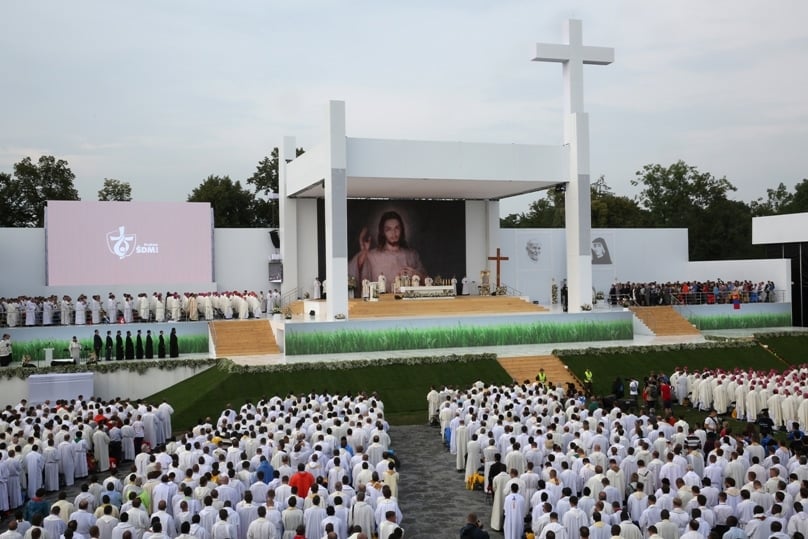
[431, 237]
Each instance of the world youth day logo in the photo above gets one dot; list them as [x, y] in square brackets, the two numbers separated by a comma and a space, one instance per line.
[123, 245]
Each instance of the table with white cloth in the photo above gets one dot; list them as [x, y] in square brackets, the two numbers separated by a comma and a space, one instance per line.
[42, 387]
[427, 292]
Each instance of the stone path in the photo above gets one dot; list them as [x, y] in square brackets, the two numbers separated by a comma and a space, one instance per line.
[432, 495]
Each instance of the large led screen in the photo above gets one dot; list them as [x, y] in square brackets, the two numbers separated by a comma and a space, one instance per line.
[429, 235]
[122, 243]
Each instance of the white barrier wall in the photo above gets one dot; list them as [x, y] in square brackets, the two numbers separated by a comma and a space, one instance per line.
[537, 256]
[122, 383]
[789, 228]
[241, 258]
[630, 254]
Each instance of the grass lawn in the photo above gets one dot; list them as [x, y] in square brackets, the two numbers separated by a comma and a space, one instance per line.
[793, 349]
[639, 364]
[403, 388]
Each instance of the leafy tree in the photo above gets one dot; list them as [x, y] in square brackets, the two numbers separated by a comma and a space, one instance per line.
[676, 194]
[265, 185]
[546, 212]
[115, 190]
[799, 202]
[612, 211]
[24, 195]
[233, 206]
[723, 232]
[14, 209]
[608, 210]
[679, 196]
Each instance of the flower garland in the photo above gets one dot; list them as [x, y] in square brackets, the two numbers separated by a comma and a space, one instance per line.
[139, 367]
[228, 366]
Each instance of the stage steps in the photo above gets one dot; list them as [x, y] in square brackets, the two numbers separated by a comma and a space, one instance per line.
[388, 306]
[664, 320]
[526, 368]
[243, 338]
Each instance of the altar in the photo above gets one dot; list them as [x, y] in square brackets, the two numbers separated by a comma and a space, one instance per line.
[427, 292]
[42, 387]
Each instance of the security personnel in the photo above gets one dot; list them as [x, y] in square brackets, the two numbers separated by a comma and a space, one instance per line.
[541, 377]
[588, 380]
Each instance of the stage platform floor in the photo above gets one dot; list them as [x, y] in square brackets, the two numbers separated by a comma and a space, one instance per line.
[389, 307]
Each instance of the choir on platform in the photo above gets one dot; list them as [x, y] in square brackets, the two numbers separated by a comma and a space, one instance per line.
[155, 307]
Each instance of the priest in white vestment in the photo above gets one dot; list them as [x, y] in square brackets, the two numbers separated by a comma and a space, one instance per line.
[514, 506]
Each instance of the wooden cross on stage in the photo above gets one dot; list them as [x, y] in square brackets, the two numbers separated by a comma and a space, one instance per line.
[499, 258]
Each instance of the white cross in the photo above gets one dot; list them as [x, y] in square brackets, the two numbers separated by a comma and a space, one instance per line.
[573, 56]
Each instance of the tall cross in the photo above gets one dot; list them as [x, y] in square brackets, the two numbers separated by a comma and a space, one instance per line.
[499, 258]
[573, 55]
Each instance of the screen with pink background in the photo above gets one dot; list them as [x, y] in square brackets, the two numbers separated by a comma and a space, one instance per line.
[119, 243]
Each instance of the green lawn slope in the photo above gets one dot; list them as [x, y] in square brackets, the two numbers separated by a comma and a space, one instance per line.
[403, 388]
[638, 362]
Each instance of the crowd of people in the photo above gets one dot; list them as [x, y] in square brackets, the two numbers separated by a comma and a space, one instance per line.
[315, 466]
[155, 307]
[692, 293]
[559, 465]
[52, 445]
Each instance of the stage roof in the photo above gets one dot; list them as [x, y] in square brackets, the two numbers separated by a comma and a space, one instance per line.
[404, 169]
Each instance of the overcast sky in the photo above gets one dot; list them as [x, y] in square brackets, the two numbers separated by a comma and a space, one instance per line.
[164, 93]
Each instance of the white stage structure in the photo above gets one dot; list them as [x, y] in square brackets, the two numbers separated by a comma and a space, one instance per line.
[480, 174]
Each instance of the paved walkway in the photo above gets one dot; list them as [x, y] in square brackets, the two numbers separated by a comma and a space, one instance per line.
[432, 495]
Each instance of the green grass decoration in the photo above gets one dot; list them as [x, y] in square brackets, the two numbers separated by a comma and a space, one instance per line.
[741, 321]
[344, 341]
[191, 344]
[402, 387]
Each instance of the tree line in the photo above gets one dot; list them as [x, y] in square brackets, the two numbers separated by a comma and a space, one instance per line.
[24, 192]
[676, 196]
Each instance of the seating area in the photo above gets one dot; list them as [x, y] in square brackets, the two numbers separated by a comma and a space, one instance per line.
[692, 293]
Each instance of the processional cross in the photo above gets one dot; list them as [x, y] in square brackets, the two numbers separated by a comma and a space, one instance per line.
[499, 258]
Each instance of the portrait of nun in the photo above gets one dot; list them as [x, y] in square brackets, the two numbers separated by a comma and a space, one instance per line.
[600, 252]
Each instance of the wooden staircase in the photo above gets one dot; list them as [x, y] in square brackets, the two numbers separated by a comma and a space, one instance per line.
[243, 338]
[526, 368]
[664, 320]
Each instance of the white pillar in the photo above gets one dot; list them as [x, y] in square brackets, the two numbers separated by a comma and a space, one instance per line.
[287, 220]
[577, 205]
[573, 55]
[336, 214]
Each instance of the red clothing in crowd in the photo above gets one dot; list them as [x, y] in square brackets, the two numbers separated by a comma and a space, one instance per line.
[303, 481]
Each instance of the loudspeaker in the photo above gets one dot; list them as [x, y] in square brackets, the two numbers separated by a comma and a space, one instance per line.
[276, 238]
